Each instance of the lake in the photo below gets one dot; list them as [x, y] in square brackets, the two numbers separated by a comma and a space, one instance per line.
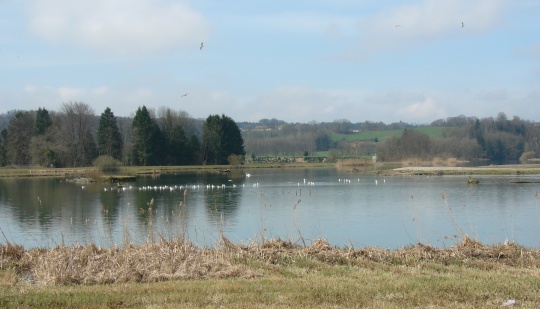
[301, 205]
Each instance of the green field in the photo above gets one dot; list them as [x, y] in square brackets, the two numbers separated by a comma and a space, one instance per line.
[435, 132]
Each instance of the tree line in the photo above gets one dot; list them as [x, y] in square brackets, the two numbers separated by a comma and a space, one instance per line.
[497, 139]
[467, 138]
[76, 137]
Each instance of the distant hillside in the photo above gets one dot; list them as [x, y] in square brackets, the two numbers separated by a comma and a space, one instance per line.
[434, 132]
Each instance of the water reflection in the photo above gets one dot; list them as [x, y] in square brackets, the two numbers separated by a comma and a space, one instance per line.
[343, 207]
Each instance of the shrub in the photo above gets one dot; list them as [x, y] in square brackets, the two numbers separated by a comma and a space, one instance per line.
[526, 156]
[106, 163]
[236, 160]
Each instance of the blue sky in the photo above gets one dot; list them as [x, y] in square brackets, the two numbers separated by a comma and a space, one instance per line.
[298, 61]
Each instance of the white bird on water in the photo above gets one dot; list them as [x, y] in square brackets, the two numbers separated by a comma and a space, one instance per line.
[376, 182]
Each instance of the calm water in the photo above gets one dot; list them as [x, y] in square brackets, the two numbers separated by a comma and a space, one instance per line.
[296, 204]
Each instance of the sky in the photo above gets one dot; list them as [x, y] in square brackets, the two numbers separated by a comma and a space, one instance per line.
[299, 61]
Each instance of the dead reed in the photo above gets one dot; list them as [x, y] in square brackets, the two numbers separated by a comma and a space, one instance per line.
[181, 260]
[355, 162]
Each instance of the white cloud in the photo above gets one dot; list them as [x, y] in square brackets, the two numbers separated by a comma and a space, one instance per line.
[305, 23]
[117, 26]
[426, 110]
[68, 94]
[30, 89]
[100, 91]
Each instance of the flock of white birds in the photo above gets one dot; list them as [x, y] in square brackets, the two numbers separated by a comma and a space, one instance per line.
[212, 186]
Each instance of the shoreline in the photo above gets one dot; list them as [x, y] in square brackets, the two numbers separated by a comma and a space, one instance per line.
[510, 169]
[379, 168]
[6, 172]
[89, 264]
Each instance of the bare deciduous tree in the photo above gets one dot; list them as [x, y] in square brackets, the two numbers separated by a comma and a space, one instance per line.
[77, 123]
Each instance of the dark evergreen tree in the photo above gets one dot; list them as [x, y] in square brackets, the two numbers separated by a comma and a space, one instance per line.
[177, 147]
[43, 121]
[109, 138]
[3, 147]
[20, 132]
[478, 134]
[193, 151]
[211, 140]
[323, 142]
[90, 148]
[232, 142]
[221, 138]
[146, 139]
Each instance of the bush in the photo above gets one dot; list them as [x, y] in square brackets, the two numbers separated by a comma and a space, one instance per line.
[106, 163]
[527, 155]
[236, 160]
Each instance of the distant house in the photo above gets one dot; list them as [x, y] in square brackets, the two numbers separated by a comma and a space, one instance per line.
[256, 128]
[262, 128]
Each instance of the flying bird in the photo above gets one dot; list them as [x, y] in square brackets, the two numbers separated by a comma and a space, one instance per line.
[202, 45]
[184, 95]
[462, 25]
[398, 26]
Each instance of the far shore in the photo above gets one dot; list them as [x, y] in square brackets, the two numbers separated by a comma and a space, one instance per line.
[379, 168]
[38, 171]
[510, 169]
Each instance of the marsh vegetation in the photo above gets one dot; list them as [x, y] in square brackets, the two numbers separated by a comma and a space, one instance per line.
[270, 273]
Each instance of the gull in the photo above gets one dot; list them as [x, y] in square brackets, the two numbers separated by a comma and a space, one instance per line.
[462, 25]
[202, 45]
[398, 26]
[184, 95]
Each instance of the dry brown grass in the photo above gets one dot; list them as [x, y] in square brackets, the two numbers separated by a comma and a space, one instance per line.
[182, 260]
[270, 273]
[436, 161]
[466, 252]
[146, 263]
[354, 165]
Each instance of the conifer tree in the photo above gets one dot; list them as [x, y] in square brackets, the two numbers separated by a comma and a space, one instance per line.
[221, 138]
[146, 139]
[108, 136]
[20, 132]
[43, 121]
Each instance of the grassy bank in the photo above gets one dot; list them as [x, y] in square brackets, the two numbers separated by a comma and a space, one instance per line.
[351, 165]
[511, 169]
[273, 273]
[38, 171]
